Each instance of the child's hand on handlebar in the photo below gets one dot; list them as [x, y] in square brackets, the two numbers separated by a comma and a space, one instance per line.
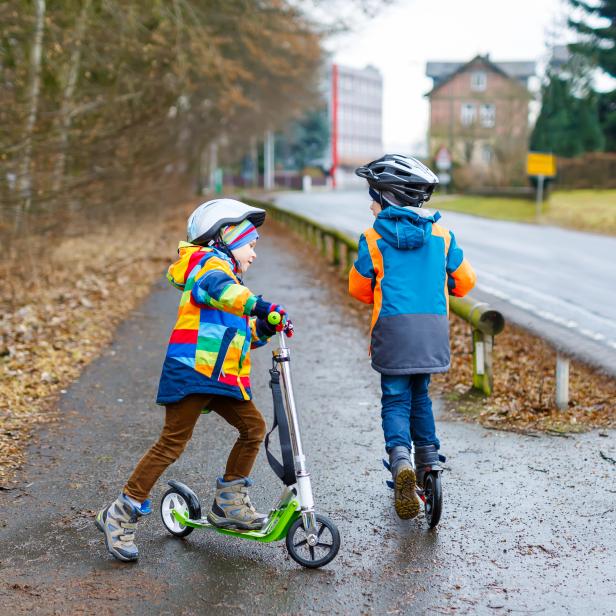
[269, 329]
[267, 312]
[265, 328]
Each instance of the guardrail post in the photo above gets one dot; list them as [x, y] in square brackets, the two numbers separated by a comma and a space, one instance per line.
[336, 251]
[326, 246]
[344, 254]
[485, 324]
[482, 362]
[351, 256]
[562, 382]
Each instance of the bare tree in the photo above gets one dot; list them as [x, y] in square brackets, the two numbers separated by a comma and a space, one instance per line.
[25, 176]
[65, 118]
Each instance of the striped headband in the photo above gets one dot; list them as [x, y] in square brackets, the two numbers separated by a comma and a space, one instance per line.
[236, 236]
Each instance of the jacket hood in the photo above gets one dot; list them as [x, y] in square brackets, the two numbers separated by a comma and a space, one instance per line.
[189, 256]
[179, 271]
[405, 228]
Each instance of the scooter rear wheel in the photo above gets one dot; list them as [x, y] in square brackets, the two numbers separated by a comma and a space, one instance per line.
[171, 500]
[433, 494]
[313, 557]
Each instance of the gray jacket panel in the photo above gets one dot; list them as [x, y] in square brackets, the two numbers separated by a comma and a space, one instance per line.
[411, 344]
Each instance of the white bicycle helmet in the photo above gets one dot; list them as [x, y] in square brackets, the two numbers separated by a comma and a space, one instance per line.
[205, 223]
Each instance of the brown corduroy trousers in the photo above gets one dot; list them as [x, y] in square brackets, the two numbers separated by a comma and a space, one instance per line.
[180, 420]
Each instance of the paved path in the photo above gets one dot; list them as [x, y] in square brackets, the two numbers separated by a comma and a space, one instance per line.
[558, 283]
[529, 524]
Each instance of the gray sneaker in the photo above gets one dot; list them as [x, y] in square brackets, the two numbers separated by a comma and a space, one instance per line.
[118, 522]
[232, 507]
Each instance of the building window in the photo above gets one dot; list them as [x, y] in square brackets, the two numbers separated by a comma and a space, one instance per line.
[479, 81]
[487, 115]
[487, 153]
[468, 113]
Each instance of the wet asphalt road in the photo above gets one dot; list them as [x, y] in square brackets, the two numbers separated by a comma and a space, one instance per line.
[558, 283]
[529, 524]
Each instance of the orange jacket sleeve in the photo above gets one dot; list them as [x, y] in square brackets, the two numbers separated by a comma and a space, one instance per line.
[362, 276]
[461, 277]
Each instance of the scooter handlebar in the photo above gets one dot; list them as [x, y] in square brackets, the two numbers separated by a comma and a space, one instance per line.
[281, 323]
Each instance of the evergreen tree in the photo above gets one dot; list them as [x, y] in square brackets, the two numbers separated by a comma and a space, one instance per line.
[305, 141]
[310, 138]
[598, 46]
[598, 42]
[607, 117]
[567, 125]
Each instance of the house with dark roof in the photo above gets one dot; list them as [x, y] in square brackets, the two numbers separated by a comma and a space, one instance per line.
[479, 111]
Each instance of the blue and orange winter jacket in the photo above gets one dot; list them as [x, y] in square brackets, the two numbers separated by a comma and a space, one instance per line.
[209, 348]
[407, 266]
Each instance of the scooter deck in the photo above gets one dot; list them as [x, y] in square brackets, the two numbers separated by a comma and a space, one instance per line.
[275, 528]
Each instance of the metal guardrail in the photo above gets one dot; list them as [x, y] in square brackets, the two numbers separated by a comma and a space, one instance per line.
[341, 251]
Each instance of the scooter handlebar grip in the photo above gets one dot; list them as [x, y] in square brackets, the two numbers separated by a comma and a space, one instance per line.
[274, 318]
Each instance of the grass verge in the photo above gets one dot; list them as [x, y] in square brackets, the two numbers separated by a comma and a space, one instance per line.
[582, 210]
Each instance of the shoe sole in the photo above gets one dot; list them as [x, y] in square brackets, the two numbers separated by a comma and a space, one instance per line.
[111, 551]
[230, 524]
[406, 501]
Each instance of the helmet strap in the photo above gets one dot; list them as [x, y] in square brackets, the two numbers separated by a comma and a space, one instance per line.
[220, 244]
[382, 200]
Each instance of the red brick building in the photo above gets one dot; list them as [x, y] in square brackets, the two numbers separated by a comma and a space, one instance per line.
[479, 111]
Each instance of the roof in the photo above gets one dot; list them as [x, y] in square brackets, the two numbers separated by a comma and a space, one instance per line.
[369, 72]
[442, 72]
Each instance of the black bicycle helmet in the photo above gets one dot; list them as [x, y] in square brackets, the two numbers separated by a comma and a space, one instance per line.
[404, 178]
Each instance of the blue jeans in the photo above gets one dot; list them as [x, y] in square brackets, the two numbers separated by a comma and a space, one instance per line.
[407, 411]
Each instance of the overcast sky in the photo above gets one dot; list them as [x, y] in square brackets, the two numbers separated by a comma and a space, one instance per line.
[405, 35]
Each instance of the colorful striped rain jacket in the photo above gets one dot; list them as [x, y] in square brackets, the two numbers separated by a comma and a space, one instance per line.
[209, 348]
[407, 266]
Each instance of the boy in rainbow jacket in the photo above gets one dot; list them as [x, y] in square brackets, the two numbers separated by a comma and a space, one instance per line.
[407, 266]
[207, 367]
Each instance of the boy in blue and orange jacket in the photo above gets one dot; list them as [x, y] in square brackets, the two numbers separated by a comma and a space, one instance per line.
[407, 266]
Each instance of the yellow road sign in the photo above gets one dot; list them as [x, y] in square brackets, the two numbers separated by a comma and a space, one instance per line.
[541, 164]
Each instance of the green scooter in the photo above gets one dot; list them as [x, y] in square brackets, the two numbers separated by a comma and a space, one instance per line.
[312, 539]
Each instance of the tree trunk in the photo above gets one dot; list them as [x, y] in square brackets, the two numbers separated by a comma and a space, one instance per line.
[25, 176]
[66, 116]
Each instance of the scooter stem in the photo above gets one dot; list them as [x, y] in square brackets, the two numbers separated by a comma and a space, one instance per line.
[303, 477]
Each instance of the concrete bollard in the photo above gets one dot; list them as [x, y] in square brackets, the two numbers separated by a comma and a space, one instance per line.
[306, 183]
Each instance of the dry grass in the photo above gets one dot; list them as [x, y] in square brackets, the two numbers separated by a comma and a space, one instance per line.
[581, 210]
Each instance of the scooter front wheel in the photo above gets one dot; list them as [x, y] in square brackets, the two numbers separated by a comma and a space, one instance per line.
[433, 494]
[318, 555]
[171, 500]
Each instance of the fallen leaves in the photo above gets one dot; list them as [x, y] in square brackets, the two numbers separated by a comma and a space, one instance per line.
[525, 386]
